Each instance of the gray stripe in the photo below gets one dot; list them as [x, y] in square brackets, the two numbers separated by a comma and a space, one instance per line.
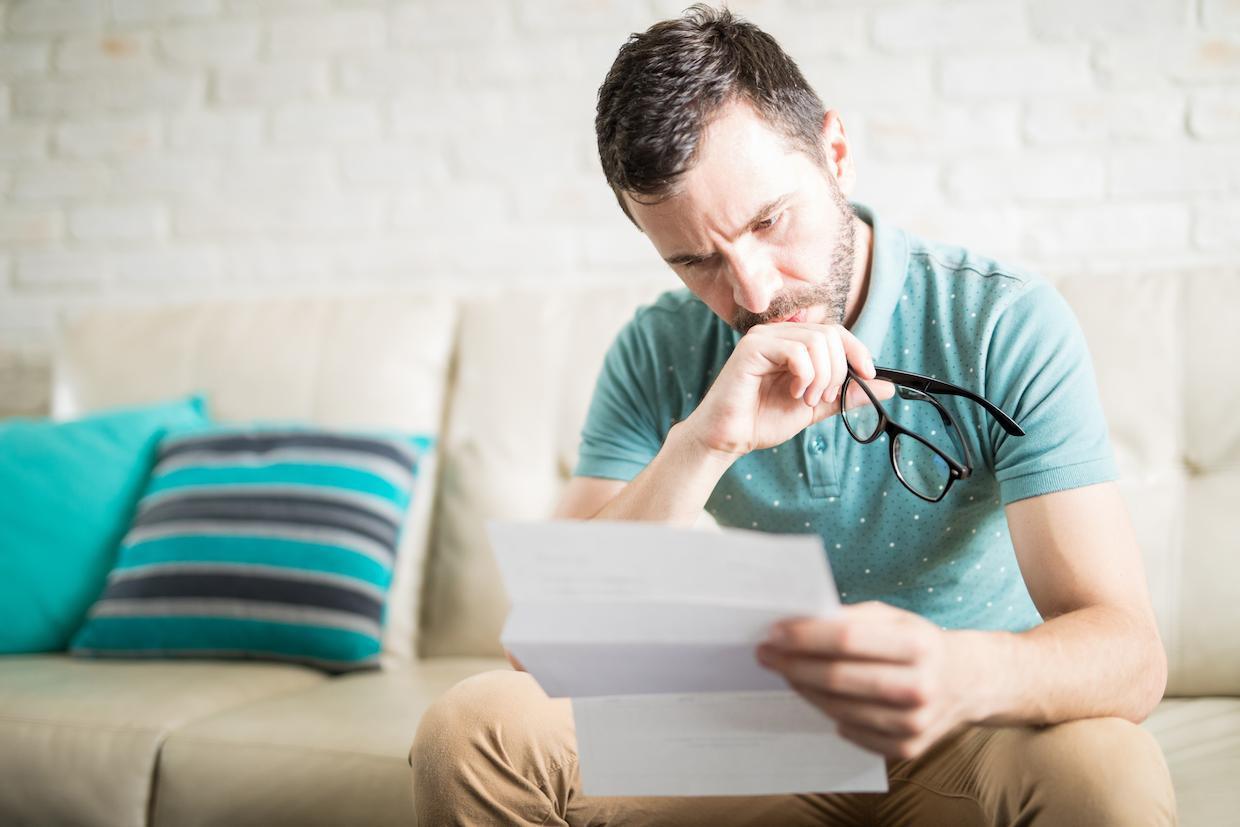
[191, 528]
[263, 440]
[231, 608]
[326, 664]
[388, 470]
[358, 499]
[310, 514]
[302, 575]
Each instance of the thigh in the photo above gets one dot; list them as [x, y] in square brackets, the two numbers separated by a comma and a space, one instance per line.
[1087, 771]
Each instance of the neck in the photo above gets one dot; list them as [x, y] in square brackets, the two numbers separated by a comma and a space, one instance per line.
[859, 284]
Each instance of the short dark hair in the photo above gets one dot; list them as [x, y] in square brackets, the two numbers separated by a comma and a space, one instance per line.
[668, 83]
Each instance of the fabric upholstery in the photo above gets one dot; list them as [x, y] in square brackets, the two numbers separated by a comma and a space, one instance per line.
[369, 361]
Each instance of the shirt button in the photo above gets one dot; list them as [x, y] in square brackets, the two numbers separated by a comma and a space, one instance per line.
[818, 445]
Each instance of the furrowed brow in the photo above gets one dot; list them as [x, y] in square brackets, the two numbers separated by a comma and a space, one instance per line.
[763, 213]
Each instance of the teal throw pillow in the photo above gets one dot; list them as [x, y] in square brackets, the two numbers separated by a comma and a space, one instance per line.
[264, 542]
[67, 492]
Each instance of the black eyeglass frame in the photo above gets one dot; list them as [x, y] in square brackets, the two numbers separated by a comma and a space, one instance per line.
[926, 387]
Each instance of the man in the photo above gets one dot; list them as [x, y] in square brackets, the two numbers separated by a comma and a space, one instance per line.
[997, 646]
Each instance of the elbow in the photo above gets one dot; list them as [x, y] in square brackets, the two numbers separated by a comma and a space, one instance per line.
[1153, 679]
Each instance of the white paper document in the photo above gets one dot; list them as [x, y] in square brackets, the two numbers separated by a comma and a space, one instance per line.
[651, 630]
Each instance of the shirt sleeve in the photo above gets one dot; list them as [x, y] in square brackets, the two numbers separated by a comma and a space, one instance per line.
[1039, 371]
[621, 434]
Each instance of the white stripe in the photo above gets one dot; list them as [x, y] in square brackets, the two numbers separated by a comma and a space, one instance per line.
[252, 655]
[231, 608]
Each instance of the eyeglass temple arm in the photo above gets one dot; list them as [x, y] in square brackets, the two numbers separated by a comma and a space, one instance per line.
[928, 385]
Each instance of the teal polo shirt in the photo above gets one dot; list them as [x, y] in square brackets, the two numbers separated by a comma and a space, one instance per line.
[934, 309]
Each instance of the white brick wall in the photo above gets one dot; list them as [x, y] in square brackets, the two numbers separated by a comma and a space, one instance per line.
[153, 148]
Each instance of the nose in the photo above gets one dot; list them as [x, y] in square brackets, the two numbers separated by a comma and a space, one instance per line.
[754, 281]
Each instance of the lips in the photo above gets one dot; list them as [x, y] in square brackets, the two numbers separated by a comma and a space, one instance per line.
[798, 316]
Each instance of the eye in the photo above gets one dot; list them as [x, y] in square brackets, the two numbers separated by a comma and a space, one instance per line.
[768, 222]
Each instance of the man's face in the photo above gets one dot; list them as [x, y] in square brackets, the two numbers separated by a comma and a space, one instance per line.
[756, 229]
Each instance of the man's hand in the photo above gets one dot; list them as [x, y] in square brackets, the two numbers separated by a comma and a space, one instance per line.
[893, 681]
[780, 379]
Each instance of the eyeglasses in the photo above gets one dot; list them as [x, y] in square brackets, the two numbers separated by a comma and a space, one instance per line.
[922, 466]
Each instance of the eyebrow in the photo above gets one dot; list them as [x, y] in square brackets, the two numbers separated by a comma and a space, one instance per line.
[763, 212]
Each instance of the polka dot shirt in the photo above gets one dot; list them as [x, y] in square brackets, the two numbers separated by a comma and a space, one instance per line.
[933, 309]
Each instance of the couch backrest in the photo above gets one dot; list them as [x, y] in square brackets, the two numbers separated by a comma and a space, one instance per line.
[525, 365]
[366, 362]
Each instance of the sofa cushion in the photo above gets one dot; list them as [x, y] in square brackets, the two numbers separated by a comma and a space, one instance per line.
[69, 490]
[364, 361]
[79, 740]
[336, 753]
[265, 542]
[1200, 738]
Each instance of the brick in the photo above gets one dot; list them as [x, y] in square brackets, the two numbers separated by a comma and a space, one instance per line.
[1028, 178]
[121, 91]
[1151, 62]
[22, 141]
[615, 16]
[434, 22]
[1172, 169]
[390, 74]
[1106, 228]
[453, 206]
[299, 260]
[131, 12]
[1040, 70]
[860, 83]
[1104, 118]
[1216, 223]
[166, 175]
[1220, 15]
[25, 379]
[328, 34]
[55, 16]
[890, 182]
[438, 112]
[30, 225]
[114, 222]
[210, 44]
[59, 268]
[51, 180]
[1215, 114]
[215, 131]
[278, 175]
[21, 58]
[617, 246]
[933, 130]
[164, 268]
[256, 217]
[273, 7]
[90, 53]
[107, 138]
[274, 82]
[1068, 18]
[6, 103]
[317, 123]
[986, 230]
[387, 165]
[810, 34]
[509, 65]
[951, 26]
[581, 199]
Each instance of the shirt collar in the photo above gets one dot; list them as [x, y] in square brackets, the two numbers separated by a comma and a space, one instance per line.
[888, 271]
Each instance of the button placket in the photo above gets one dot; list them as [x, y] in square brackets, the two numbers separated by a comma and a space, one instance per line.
[819, 457]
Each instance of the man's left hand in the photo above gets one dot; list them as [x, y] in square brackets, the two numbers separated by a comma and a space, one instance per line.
[893, 681]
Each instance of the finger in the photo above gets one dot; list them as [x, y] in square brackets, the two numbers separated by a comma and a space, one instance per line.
[878, 742]
[839, 365]
[875, 633]
[858, 354]
[872, 681]
[768, 354]
[892, 721]
[819, 351]
[796, 359]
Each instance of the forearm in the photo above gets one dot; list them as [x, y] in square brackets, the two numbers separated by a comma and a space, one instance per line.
[674, 487]
[1093, 662]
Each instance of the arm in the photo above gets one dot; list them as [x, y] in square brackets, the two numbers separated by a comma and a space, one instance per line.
[895, 682]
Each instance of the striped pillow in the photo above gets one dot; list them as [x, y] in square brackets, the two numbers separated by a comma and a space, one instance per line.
[269, 544]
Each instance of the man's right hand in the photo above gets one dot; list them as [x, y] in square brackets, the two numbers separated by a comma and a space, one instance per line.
[780, 379]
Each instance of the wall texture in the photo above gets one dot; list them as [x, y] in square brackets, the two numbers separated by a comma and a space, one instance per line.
[156, 149]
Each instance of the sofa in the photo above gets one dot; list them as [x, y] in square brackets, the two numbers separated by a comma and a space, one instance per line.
[503, 377]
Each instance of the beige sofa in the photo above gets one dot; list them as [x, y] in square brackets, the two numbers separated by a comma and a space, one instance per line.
[505, 379]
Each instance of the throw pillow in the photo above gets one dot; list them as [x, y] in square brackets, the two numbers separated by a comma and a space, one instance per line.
[268, 543]
[67, 492]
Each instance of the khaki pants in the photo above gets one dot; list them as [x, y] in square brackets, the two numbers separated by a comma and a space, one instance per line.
[495, 749]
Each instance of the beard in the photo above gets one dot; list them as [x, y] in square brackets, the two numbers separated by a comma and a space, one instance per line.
[831, 291]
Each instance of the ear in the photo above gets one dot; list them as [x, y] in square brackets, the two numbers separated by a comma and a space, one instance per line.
[838, 152]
